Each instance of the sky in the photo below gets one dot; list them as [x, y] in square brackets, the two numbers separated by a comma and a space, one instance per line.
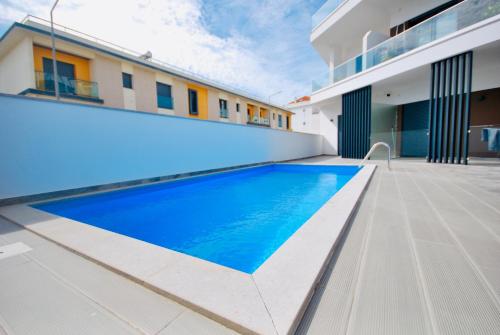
[259, 46]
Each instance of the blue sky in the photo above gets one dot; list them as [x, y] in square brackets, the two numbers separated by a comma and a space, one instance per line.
[258, 46]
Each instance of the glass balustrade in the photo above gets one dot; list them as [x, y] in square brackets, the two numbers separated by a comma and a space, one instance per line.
[67, 86]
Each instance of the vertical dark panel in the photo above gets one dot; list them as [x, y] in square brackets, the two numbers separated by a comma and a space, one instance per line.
[349, 141]
[447, 111]
[347, 128]
[364, 129]
[453, 109]
[369, 118]
[356, 107]
[356, 111]
[460, 119]
[342, 120]
[431, 108]
[467, 106]
[434, 116]
[359, 109]
[442, 74]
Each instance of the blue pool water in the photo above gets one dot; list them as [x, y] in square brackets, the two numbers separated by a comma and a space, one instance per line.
[236, 219]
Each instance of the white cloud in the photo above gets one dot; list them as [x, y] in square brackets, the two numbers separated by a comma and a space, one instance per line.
[174, 31]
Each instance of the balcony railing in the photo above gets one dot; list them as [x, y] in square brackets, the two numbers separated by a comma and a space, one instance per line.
[224, 113]
[445, 23]
[67, 86]
[324, 11]
[259, 122]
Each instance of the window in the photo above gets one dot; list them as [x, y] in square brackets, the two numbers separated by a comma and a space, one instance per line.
[237, 107]
[280, 121]
[223, 108]
[127, 80]
[164, 96]
[65, 74]
[274, 116]
[288, 122]
[193, 102]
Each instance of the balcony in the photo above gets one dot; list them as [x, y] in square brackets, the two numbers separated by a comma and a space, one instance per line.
[324, 11]
[224, 113]
[68, 87]
[443, 24]
[263, 122]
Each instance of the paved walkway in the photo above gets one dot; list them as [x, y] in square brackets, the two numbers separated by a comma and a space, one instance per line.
[422, 255]
[50, 290]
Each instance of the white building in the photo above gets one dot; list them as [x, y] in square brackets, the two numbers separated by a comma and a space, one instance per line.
[423, 76]
[305, 119]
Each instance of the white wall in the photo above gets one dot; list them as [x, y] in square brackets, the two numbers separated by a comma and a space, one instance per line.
[17, 68]
[411, 9]
[48, 146]
[303, 119]
[328, 126]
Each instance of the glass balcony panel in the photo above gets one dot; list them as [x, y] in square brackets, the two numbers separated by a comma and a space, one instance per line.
[45, 81]
[224, 113]
[328, 7]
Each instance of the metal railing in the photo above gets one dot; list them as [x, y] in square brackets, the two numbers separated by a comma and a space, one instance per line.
[324, 11]
[191, 74]
[445, 23]
[378, 144]
[259, 122]
[44, 81]
[224, 113]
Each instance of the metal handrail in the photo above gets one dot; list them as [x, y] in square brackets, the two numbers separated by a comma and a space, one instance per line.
[373, 149]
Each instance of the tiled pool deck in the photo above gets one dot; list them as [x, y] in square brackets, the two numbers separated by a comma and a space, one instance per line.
[422, 256]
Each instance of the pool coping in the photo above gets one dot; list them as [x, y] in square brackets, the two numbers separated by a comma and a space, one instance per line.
[269, 301]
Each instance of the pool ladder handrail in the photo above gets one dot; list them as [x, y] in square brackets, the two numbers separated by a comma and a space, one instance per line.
[373, 149]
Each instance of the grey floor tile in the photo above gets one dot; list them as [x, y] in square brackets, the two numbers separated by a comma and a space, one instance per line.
[34, 302]
[189, 323]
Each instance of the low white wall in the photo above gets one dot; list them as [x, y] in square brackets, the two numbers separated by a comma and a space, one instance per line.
[47, 146]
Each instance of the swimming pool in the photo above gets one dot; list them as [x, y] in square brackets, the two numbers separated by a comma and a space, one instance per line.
[236, 219]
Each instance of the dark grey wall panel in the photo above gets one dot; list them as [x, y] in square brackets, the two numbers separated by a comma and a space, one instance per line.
[356, 123]
[449, 109]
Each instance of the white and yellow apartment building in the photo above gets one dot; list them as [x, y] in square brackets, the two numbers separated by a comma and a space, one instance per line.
[93, 71]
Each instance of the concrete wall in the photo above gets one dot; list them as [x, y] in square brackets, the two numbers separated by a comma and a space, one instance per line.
[180, 96]
[17, 69]
[108, 74]
[129, 94]
[48, 146]
[145, 90]
[213, 105]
